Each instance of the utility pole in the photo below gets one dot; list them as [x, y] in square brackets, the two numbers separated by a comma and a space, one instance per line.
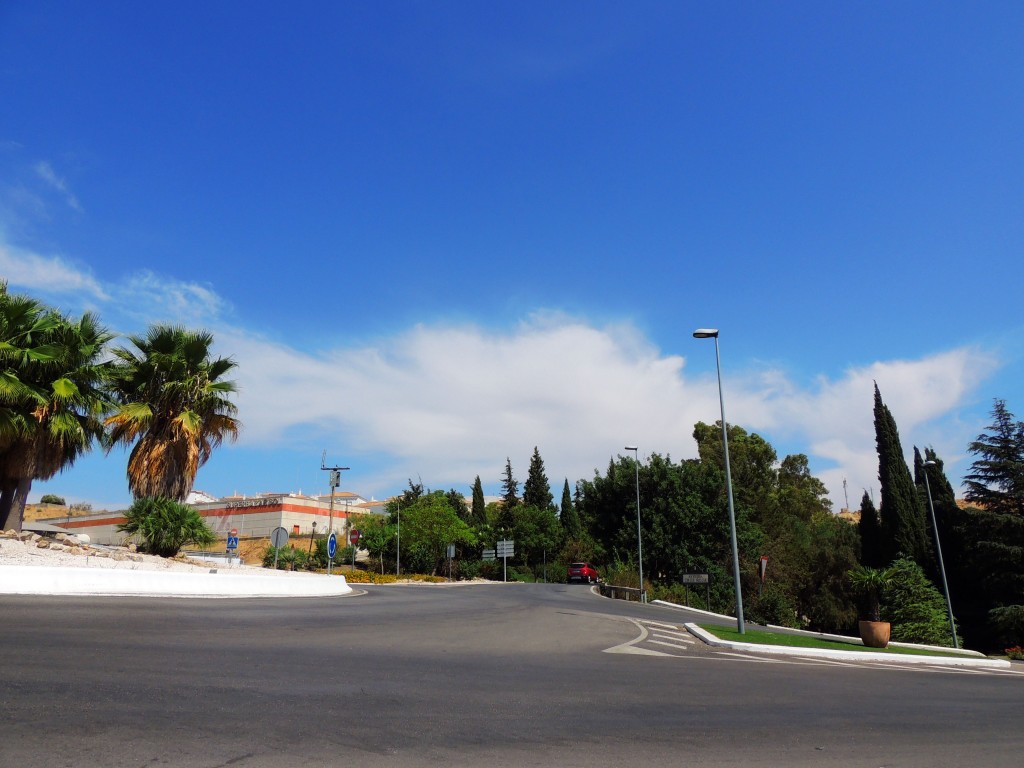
[335, 481]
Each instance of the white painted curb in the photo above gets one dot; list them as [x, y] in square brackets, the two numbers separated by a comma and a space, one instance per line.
[901, 658]
[42, 580]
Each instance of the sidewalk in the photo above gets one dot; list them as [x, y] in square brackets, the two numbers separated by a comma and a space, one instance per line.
[964, 658]
[26, 569]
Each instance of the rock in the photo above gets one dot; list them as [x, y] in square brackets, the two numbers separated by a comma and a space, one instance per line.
[99, 553]
[119, 556]
[44, 544]
[27, 535]
[56, 547]
[75, 550]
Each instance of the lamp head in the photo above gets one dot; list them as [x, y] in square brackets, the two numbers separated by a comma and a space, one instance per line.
[632, 448]
[930, 463]
[706, 333]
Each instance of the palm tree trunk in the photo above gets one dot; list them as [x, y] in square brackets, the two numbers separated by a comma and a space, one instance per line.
[13, 495]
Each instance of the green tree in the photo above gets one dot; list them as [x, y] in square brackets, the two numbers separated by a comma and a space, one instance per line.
[378, 539]
[49, 498]
[752, 463]
[173, 408]
[429, 526]
[164, 526]
[52, 396]
[536, 489]
[458, 504]
[509, 498]
[903, 527]
[870, 530]
[996, 480]
[914, 607]
[479, 509]
[535, 531]
[568, 517]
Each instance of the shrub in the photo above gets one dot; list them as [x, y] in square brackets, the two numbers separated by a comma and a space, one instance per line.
[1016, 653]
[50, 498]
[1009, 623]
[914, 607]
[164, 526]
[773, 606]
[288, 558]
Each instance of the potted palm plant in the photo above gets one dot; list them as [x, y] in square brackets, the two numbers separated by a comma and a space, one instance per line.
[870, 583]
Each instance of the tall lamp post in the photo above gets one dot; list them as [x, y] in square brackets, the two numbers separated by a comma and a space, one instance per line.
[398, 550]
[712, 333]
[938, 548]
[639, 541]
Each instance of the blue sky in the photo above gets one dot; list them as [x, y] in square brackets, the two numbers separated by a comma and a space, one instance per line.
[437, 234]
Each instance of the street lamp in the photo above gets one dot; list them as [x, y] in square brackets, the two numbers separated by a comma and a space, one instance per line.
[639, 542]
[938, 548]
[712, 333]
[398, 550]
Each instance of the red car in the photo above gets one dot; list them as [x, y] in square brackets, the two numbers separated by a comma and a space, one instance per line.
[583, 572]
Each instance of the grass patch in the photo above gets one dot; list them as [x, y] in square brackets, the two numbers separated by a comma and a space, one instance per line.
[761, 637]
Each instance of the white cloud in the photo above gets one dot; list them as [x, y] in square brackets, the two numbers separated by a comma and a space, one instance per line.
[45, 172]
[449, 402]
[50, 274]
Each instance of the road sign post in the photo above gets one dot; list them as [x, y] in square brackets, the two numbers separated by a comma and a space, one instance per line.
[353, 538]
[697, 578]
[278, 538]
[332, 548]
[506, 548]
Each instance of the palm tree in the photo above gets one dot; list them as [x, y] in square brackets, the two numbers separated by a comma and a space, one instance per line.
[52, 396]
[172, 406]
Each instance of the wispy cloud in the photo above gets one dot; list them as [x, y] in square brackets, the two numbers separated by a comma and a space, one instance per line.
[45, 172]
[148, 297]
[48, 274]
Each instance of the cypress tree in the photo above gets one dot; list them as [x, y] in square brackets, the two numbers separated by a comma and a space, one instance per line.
[479, 514]
[903, 528]
[569, 517]
[536, 489]
[870, 531]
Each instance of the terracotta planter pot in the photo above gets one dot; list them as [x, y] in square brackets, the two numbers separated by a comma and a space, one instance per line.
[875, 634]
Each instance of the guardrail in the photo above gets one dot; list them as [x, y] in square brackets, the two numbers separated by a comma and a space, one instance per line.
[620, 593]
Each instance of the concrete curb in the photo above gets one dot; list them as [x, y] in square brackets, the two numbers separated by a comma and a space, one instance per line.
[891, 658]
[123, 582]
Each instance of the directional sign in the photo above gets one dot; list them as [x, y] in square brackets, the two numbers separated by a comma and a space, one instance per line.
[506, 548]
[332, 545]
[694, 578]
[488, 554]
[279, 537]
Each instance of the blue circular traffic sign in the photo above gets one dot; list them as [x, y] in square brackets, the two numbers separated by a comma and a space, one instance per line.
[332, 545]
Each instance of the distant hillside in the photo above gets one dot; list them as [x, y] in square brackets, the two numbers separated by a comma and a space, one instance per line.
[47, 511]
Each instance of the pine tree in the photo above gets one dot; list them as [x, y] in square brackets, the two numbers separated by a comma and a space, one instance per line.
[996, 480]
[570, 519]
[479, 515]
[903, 528]
[870, 534]
[536, 489]
[509, 499]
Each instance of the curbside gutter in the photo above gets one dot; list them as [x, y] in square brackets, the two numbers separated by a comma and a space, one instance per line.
[901, 658]
[43, 580]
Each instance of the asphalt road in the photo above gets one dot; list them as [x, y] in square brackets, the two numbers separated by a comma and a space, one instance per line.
[504, 675]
